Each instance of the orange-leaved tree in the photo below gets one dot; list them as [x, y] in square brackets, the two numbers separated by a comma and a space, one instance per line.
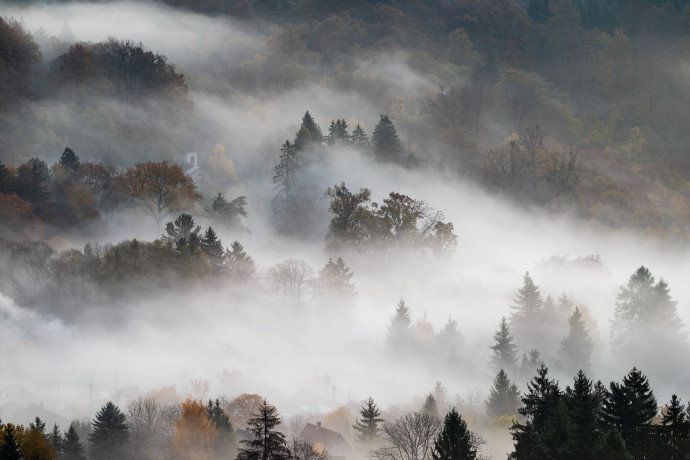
[195, 435]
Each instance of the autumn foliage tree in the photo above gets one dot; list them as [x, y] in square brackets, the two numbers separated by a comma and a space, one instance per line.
[195, 433]
[161, 188]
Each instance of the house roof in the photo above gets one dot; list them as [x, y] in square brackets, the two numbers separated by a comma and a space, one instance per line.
[192, 170]
[331, 440]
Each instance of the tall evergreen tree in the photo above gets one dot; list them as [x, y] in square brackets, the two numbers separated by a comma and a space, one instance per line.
[238, 264]
[268, 443]
[110, 434]
[399, 331]
[55, 439]
[505, 351]
[367, 427]
[526, 316]
[225, 441]
[284, 184]
[335, 278]
[314, 130]
[303, 140]
[228, 212]
[69, 160]
[183, 231]
[359, 139]
[504, 396]
[9, 449]
[612, 447]
[212, 247]
[337, 133]
[451, 339]
[430, 406]
[630, 408]
[583, 408]
[674, 432]
[541, 398]
[455, 441]
[385, 142]
[72, 448]
[576, 348]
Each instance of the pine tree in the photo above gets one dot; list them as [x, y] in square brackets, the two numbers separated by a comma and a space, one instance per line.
[110, 434]
[583, 407]
[385, 141]
[359, 139]
[268, 444]
[630, 408]
[226, 437]
[541, 398]
[504, 396]
[238, 264]
[504, 349]
[228, 212]
[311, 126]
[451, 339]
[55, 439]
[9, 449]
[612, 447]
[38, 425]
[430, 406]
[674, 431]
[72, 447]
[285, 187]
[337, 132]
[455, 441]
[212, 247]
[335, 278]
[69, 160]
[303, 140]
[577, 347]
[367, 427]
[399, 331]
[182, 231]
[526, 316]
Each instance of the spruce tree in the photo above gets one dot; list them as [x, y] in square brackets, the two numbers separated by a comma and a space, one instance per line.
[630, 408]
[576, 348]
[9, 449]
[268, 443]
[504, 349]
[72, 447]
[226, 437]
[504, 396]
[110, 434]
[229, 212]
[337, 133]
[385, 142]
[430, 406]
[69, 160]
[55, 439]
[303, 140]
[311, 126]
[399, 331]
[451, 339]
[212, 247]
[541, 398]
[583, 407]
[335, 278]
[526, 316]
[359, 139]
[285, 187]
[455, 441]
[182, 231]
[674, 432]
[238, 264]
[612, 447]
[367, 427]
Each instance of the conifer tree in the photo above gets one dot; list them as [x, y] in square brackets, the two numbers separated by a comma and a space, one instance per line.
[385, 142]
[72, 447]
[337, 132]
[431, 406]
[9, 449]
[630, 408]
[674, 431]
[226, 437]
[238, 264]
[541, 398]
[576, 348]
[55, 439]
[335, 278]
[504, 349]
[284, 184]
[110, 434]
[311, 126]
[303, 140]
[212, 247]
[268, 443]
[526, 316]
[182, 231]
[504, 396]
[583, 408]
[451, 340]
[69, 160]
[612, 447]
[359, 139]
[399, 329]
[228, 212]
[455, 441]
[367, 427]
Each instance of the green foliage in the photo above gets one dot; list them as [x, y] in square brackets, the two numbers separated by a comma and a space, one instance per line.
[455, 441]
[72, 448]
[110, 435]
[385, 143]
[367, 428]
[503, 396]
[268, 443]
[576, 348]
[69, 160]
[504, 350]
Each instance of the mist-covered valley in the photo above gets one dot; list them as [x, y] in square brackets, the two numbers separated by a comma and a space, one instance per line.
[319, 203]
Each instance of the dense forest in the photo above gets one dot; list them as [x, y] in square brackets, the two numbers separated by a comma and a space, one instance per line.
[477, 212]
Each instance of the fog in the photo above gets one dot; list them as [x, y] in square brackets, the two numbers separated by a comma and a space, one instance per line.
[244, 338]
